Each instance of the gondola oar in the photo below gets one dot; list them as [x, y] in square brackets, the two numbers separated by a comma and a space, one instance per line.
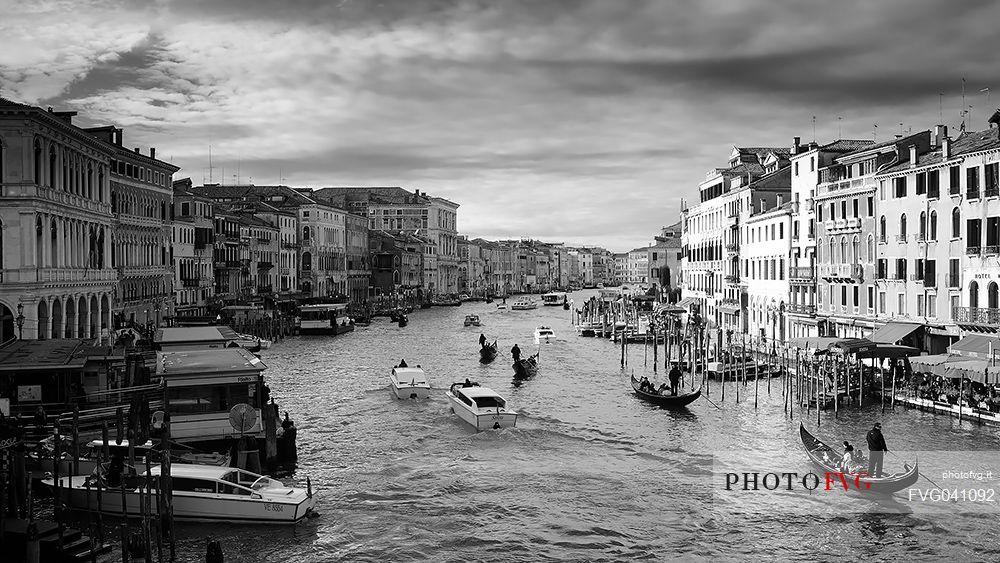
[710, 402]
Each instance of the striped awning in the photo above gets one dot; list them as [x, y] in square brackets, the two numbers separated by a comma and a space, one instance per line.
[893, 332]
[687, 301]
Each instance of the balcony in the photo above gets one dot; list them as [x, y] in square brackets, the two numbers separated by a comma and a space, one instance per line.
[263, 240]
[232, 264]
[263, 265]
[976, 316]
[972, 193]
[732, 279]
[802, 273]
[973, 251]
[802, 309]
[836, 271]
[954, 280]
[188, 282]
[285, 271]
[901, 238]
[858, 272]
[35, 275]
[264, 288]
[991, 250]
[732, 247]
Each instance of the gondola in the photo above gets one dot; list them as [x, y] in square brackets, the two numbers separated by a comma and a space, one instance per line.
[827, 459]
[488, 353]
[668, 401]
[526, 367]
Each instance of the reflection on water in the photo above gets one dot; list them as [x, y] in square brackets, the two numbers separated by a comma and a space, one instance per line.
[590, 472]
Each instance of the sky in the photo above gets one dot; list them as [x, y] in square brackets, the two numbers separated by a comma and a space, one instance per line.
[577, 121]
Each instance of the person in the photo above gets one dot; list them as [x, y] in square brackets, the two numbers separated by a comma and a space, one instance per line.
[876, 449]
[644, 384]
[675, 378]
[847, 462]
[40, 418]
[663, 389]
[287, 423]
[467, 383]
[482, 340]
[516, 353]
[402, 364]
[116, 470]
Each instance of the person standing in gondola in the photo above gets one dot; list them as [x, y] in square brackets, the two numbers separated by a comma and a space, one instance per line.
[675, 378]
[515, 352]
[876, 449]
[482, 340]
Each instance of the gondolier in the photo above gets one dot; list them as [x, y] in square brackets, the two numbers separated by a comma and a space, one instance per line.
[876, 449]
[482, 340]
[515, 352]
[675, 377]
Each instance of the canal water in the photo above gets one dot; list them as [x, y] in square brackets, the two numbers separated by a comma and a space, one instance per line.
[590, 473]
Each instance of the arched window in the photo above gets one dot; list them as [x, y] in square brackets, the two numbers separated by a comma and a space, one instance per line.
[923, 225]
[881, 228]
[819, 250]
[902, 226]
[53, 171]
[973, 294]
[871, 248]
[843, 250]
[933, 226]
[956, 223]
[306, 260]
[856, 250]
[833, 253]
[991, 295]
[305, 233]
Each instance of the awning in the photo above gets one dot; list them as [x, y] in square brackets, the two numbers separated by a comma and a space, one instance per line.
[814, 342]
[686, 302]
[892, 333]
[927, 363]
[974, 370]
[976, 345]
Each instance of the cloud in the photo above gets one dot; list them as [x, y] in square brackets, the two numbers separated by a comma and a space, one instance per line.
[562, 119]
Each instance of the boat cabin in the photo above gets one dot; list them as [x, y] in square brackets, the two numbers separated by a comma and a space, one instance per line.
[554, 298]
[323, 317]
[172, 339]
[216, 480]
[410, 376]
[203, 385]
[480, 398]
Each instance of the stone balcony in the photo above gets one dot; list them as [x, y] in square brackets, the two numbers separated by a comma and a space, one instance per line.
[802, 273]
[980, 316]
[62, 275]
[800, 309]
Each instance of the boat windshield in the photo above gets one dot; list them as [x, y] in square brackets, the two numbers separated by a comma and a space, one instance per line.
[265, 483]
[489, 402]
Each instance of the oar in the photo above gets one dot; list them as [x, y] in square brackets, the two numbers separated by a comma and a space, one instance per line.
[918, 472]
[710, 401]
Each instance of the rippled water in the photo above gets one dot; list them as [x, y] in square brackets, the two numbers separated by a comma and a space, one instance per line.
[590, 473]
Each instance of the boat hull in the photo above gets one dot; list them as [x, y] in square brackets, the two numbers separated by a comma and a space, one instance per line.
[411, 391]
[188, 506]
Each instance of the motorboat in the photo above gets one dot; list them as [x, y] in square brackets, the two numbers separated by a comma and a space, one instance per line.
[409, 383]
[524, 304]
[554, 299]
[91, 453]
[589, 328]
[201, 493]
[481, 407]
[250, 341]
[501, 306]
[544, 334]
[472, 320]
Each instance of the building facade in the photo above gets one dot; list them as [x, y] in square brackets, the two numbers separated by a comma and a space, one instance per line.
[57, 278]
[192, 253]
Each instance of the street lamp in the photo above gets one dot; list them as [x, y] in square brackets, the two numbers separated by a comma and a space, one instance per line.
[20, 321]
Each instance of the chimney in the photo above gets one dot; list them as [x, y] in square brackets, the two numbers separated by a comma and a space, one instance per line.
[762, 204]
[940, 132]
[913, 155]
[795, 144]
[946, 147]
[118, 137]
[779, 200]
[50, 109]
[152, 152]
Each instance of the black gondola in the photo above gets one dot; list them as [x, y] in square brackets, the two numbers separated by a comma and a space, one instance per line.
[827, 459]
[526, 367]
[668, 401]
[488, 353]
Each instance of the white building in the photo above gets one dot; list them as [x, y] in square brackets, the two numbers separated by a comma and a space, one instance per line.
[765, 256]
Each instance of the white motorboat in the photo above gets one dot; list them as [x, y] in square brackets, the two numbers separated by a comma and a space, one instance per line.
[555, 298]
[91, 452]
[501, 306]
[544, 334]
[472, 320]
[524, 304]
[589, 328]
[250, 341]
[201, 493]
[409, 383]
[481, 407]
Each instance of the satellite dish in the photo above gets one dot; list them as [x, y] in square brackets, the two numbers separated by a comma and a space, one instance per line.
[242, 417]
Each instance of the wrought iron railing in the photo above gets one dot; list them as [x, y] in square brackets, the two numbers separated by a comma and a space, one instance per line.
[976, 315]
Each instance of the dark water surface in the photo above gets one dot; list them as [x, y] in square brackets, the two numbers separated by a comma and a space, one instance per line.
[590, 473]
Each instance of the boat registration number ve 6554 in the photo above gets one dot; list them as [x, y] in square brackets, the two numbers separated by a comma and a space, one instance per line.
[274, 508]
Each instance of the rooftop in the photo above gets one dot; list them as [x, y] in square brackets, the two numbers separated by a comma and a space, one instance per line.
[208, 362]
[965, 143]
[40, 354]
[176, 335]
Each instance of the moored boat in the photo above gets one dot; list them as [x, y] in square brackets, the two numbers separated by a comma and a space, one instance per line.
[481, 407]
[677, 401]
[201, 493]
[409, 383]
[554, 299]
[827, 459]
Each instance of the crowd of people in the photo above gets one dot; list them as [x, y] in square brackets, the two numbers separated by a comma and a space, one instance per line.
[970, 393]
